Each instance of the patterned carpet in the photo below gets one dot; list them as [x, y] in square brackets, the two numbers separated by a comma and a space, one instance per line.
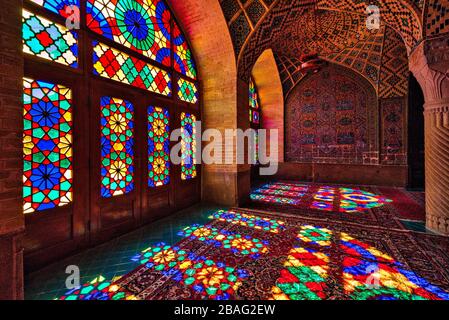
[365, 205]
[250, 254]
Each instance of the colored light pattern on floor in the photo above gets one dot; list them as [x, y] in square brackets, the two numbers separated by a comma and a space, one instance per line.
[250, 221]
[237, 243]
[158, 147]
[360, 249]
[361, 270]
[61, 7]
[98, 289]
[188, 146]
[182, 55]
[325, 198]
[280, 192]
[286, 187]
[210, 279]
[315, 235]
[305, 276]
[47, 145]
[141, 25]
[368, 280]
[117, 147]
[274, 199]
[49, 40]
[187, 91]
[113, 64]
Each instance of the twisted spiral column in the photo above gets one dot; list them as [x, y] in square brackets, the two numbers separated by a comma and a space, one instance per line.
[429, 62]
[437, 169]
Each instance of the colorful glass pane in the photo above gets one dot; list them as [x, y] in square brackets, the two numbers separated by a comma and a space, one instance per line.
[117, 144]
[187, 91]
[210, 279]
[183, 58]
[188, 146]
[250, 221]
[47, 145]
[116, 65]
[237, 243]
[255, 117]
[253, 96]
[141, 25]
[49, 40]
[64, 8]
[158, 147]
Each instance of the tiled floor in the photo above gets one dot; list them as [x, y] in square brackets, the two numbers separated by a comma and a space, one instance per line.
[114, 257]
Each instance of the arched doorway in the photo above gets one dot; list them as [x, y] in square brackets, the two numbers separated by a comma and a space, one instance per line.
[416, 164]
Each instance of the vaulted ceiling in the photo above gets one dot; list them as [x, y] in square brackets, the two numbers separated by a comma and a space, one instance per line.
[342, 38]
[288, 27]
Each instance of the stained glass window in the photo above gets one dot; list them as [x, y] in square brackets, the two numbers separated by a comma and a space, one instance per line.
[253, 96]
[187, 91]
[158, 147]
[254, 115]
[117, 143]
[47, 145]
[141, 25]
[188, 146]
[116, 65]
[61, 7]
[183, 58]
[48, 40]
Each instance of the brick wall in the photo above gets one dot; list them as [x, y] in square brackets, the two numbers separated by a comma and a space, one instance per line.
[11, 217]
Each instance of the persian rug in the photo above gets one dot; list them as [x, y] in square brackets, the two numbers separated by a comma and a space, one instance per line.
[364, 205]
[406, 204]
[255, 255]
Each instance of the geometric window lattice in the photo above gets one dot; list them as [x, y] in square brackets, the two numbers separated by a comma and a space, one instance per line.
[254, 115]
[253, 96]
[141, 25]
[187, 91]
[183, 58]
[158, 147]
[188, 146]
[47, 145]
[61, 7]
[117, 143]
[116, 65]
[48, 40]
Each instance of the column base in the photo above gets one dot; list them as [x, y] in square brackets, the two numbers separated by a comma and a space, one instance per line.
[437, 224]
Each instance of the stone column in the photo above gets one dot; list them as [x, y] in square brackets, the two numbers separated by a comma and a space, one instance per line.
[429, 62]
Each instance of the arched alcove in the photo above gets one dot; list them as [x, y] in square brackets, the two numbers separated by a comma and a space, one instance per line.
[266, 76]
[205, 26]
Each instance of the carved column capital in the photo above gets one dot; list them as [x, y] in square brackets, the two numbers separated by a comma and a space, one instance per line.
[429, 62]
